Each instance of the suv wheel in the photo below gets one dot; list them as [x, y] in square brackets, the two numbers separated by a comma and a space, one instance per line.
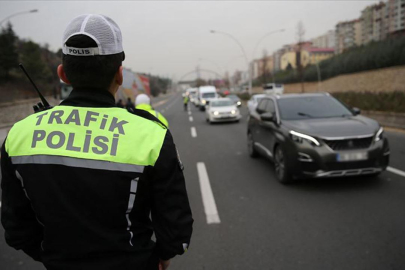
[281, 166]
[251, 146]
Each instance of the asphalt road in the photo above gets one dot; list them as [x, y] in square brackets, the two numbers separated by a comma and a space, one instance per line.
[257, 223]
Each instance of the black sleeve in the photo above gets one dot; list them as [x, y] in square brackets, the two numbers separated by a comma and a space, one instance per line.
[171, 213]
[22, 230]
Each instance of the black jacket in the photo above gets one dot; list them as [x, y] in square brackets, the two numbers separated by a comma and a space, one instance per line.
[72, 217]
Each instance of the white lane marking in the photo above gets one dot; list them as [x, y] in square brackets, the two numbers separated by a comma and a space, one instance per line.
[193, 132]
[210, 207]
[396, 171]
[190, 118]
[0, 204]
[189, 112]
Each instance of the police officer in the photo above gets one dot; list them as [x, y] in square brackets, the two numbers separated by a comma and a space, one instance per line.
[80, 181]
[142, 102]
[185, 101]
[129, 105]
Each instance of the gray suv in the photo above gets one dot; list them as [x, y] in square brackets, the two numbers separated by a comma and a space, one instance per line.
[316, 136]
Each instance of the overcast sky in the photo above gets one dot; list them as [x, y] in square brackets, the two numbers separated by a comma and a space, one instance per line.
[169, 38]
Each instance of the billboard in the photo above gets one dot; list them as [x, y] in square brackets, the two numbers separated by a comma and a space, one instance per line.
[132, 85]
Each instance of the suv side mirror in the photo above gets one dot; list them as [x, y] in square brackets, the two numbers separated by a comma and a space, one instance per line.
[356, 111]
[268, 117]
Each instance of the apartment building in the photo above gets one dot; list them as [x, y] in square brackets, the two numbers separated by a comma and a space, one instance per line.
[326, 40]
[396, 16]
[375, 21]
[348, 35]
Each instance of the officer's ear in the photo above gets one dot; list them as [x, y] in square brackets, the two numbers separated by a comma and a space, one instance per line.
[119, 77]
[62, 74]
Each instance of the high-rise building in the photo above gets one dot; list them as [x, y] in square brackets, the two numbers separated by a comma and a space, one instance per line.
[396, 15]
[377, 21]
[347, 35]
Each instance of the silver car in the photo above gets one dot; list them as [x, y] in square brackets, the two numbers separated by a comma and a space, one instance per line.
[222, 110]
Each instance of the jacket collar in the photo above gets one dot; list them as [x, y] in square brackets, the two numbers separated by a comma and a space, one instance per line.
[89, 97]
[145, 107]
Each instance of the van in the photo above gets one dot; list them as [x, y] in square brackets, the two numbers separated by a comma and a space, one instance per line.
[205, 95]
[273, 89]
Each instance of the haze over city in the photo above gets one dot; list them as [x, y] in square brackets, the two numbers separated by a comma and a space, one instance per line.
[171, 38]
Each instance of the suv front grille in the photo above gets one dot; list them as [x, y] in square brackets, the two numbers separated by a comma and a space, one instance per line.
[337, 166]
[349, 144]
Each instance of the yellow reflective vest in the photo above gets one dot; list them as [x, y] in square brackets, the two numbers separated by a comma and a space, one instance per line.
[105, 134]
[148, 108]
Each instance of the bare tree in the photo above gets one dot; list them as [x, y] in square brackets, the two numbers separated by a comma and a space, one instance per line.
[300, 35]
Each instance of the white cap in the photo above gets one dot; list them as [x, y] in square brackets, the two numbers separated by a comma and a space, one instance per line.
[142, 99]
[103, 30]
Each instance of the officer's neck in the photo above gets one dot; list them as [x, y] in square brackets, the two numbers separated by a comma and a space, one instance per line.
[113, 88]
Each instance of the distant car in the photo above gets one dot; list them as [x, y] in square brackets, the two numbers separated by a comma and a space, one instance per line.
[193, 97]
[235, 99]
[316, 136]
[273, 89]
[253, 101]
[222, 110]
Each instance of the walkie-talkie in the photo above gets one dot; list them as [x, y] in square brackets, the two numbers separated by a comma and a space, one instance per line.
[41, 106]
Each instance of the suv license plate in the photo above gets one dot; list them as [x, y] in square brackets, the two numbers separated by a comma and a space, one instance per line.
[351, 156]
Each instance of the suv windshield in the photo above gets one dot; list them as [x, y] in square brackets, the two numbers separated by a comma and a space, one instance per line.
[305, 107]
[221, 103]
[208, 95]
[233, 97]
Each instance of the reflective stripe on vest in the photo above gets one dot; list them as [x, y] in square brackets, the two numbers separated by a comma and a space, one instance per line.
[99, 134]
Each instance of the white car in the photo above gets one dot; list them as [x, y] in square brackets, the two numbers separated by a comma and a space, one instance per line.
[222, 110]
[273, 89]
[253, 101]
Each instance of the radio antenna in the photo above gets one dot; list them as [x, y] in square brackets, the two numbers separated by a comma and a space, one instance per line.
[44, 102]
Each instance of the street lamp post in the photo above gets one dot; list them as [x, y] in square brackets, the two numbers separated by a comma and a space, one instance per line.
[263, 37]
[244, 53]
[260, 41]
[16, 14]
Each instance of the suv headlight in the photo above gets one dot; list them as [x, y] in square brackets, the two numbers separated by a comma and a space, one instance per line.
[233, 112]
[203, 101]
[215, 113]
[379, 135]
[300, 137]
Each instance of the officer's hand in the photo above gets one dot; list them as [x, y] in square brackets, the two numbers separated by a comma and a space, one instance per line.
[163, 265]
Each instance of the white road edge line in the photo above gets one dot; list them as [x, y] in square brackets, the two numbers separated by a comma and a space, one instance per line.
[193, 132]
[190, 118]
[396, 171]
[210, 207]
